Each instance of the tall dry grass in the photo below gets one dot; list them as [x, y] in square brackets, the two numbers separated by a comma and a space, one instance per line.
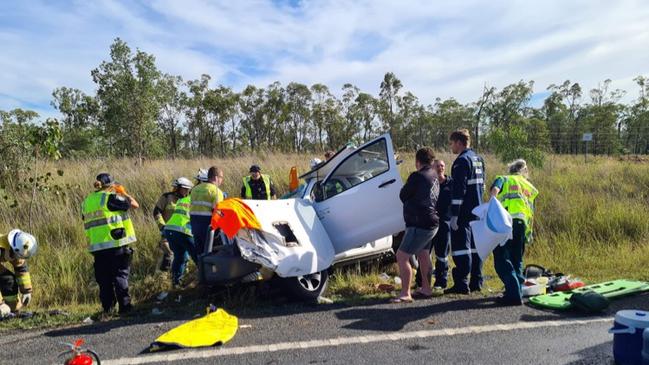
[591, 218]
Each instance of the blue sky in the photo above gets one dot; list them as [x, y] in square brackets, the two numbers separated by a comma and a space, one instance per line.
[437, 48]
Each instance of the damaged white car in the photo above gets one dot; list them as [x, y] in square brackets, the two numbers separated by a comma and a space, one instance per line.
[348, 208]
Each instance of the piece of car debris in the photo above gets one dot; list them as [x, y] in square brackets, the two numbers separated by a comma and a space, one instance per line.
[384, 277]
[88, 320]
[156, 311]
[324, 300]
[245, 326]
[162, 296]
[386, 288]
[58, 312]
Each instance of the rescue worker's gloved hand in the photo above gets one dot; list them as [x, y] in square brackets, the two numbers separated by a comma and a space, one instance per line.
[453, 223]
[26, 298]
[5, 311]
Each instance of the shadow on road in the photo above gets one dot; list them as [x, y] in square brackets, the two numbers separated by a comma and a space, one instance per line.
[395, 318]
[599, 354]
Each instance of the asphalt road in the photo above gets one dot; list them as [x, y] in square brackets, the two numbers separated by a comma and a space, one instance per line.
[469, 330]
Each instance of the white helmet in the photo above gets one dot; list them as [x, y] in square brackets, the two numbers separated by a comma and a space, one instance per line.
[315, 162]
[202, 175]
[182, 182]
[23, 244]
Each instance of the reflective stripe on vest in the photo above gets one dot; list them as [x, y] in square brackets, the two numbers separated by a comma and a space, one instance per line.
[100, 222]
[105, 221]
[246, 185]
[204, 198]
[475, 181]
[517, 196]
[179, 220]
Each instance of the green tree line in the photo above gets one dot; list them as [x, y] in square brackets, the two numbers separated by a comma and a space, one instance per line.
[140, 111]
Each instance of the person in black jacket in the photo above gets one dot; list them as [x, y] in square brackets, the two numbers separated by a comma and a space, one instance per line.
[419, 197]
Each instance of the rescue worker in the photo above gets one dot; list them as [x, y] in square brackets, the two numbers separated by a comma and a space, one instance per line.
[204, 198]
[110, 232]
[163, 210]
[257, 186]
[177, 231]
[468, 173]
[15, 248]
[442, 239]
[517, 196]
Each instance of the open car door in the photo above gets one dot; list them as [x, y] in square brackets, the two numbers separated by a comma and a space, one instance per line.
[358, 202]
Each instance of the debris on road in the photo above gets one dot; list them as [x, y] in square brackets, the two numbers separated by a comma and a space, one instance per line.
[162, 296]
[156, 311]
[323, 300]
[386, 288]
[88, 320]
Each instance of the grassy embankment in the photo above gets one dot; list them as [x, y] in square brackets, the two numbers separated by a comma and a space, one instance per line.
[591, 222]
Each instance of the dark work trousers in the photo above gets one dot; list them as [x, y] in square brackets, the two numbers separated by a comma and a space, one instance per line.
[442, 248]
[112, 268]
[461, 251]
[200, 229]
[508, 261]
[466, 260]
[182, 246]
[476, 282]
[9, 287]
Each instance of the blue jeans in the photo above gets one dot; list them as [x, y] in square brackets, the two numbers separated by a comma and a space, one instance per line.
[182, 246]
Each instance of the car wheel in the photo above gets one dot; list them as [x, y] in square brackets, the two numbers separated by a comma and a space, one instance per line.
[307, 287]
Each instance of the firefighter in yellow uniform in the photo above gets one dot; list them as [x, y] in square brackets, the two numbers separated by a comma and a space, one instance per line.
[15, 248]
[257, 186]
[517, 196]
[110, 232]
[162, 212]
[204, 198]
[177, 231]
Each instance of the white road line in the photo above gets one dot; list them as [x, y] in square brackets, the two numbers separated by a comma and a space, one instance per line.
[332, 342]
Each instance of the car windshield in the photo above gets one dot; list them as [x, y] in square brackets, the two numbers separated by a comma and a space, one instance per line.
[297, 193]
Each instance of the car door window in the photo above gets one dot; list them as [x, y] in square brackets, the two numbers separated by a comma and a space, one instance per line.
[361, 166]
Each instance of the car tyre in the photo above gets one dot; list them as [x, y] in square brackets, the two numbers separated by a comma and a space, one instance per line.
[307, 287]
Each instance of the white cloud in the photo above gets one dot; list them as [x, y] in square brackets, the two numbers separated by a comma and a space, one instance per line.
[437, 49]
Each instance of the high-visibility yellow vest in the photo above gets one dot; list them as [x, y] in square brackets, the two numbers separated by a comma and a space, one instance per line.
[246, 185]
[517, 196]
[99, 221]
[179, 220]
[204, 198]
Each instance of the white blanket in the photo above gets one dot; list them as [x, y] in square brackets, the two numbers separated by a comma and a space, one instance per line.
[493, 228]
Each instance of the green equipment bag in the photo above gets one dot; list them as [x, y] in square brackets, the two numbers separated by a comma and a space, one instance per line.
[589, 301]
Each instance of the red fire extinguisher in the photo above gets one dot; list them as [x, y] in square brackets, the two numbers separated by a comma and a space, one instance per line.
[77, 355]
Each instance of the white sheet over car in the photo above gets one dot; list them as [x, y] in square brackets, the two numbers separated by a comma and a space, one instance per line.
[314, 251]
